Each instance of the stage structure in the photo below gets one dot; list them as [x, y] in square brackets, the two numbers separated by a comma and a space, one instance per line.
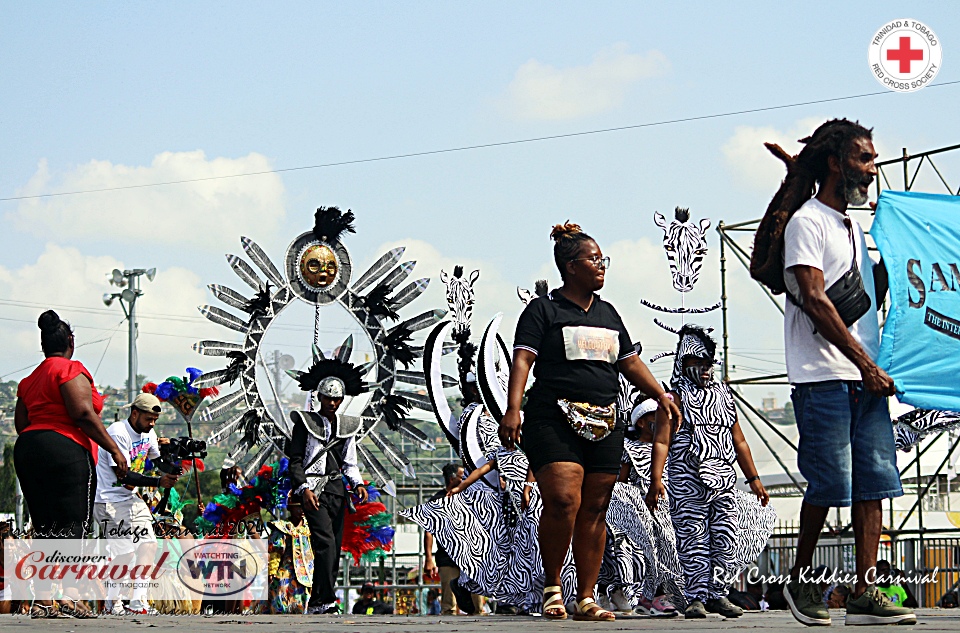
[909, 167]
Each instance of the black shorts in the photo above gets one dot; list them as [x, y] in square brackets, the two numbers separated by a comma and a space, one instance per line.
[547, 438]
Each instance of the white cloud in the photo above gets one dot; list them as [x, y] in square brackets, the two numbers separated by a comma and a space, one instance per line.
[540, 91]
[752, 164]
[208, 213]
[72, 283]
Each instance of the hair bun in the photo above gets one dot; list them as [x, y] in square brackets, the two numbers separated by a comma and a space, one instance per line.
[48, 320]
[561, 231]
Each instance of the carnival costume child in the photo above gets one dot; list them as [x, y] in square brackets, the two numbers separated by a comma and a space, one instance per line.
[717, 535]
[640, 566]
[291, 561]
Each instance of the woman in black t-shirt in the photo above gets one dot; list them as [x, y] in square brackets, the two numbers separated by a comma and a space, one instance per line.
[580, 345]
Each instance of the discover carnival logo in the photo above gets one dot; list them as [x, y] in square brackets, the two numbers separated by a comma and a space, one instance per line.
[905, 55]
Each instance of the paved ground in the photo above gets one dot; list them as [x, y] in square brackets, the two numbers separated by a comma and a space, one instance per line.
[930, 620]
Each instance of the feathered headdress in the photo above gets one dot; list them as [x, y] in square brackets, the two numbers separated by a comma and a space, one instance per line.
[330, 223]
[269, 490]
[377, 303]
[398, 346]
[367, 533]
[324, 368]
[394, 410]
[258, 305]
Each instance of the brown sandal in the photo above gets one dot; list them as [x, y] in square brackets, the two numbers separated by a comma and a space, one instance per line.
[45, 612]
[554, 604]
[589, 611]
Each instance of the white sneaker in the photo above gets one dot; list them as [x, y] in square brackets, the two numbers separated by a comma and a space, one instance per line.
[620, 603]
[141, 608]
[118, 608]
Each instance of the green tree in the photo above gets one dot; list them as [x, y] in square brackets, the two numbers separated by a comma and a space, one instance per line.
[8, 480]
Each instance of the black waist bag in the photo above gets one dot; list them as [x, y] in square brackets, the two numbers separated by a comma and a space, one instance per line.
[847, 293]
[848, 296]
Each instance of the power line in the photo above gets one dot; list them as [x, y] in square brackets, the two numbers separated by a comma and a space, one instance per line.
[464, 148]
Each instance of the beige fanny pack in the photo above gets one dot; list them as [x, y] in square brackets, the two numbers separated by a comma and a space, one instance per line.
[589, 420]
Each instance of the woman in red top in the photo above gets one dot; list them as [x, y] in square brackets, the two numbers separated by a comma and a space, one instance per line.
[58, 423]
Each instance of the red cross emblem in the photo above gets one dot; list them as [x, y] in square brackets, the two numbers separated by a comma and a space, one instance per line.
[905, 55]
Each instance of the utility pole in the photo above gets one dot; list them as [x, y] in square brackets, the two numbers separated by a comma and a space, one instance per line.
[129, 280]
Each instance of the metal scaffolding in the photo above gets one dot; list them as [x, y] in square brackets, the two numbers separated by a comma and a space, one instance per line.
[910, 167]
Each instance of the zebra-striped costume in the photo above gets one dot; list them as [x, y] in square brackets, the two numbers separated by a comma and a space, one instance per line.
[717, 527]
[638, 560]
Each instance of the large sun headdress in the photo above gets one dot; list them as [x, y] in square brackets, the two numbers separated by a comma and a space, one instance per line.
[686, 245]
[317, 270]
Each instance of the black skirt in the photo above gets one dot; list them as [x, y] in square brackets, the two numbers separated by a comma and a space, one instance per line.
[547, 438]
[59, 481]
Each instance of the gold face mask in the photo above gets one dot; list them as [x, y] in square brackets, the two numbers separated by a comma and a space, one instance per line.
[318, 266]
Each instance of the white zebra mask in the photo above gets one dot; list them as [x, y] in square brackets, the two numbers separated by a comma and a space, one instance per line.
[686, 245]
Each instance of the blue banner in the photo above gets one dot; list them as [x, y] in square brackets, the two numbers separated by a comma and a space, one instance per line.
[918, 235]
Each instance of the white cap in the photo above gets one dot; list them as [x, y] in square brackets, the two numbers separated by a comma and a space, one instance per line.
[647, 406]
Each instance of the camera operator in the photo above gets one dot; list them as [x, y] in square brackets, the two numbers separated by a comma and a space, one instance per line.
[119, 512]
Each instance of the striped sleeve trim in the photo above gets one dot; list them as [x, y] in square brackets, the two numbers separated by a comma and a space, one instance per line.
[632, 352]
[529, 349]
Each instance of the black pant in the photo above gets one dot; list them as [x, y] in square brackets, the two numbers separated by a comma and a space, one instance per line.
[326, 536]
[59, 481]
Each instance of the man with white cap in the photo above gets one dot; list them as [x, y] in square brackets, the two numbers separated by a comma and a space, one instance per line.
[320, 457]
[120, 513]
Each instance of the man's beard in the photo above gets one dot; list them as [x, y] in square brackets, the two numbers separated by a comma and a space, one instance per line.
[849, 187]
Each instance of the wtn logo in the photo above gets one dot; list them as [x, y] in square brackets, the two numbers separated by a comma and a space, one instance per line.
[224, 569]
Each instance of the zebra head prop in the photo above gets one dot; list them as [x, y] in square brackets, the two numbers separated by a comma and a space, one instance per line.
[686, 245]
[460, 298]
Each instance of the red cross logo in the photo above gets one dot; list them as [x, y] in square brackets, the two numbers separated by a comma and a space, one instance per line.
[905, 55]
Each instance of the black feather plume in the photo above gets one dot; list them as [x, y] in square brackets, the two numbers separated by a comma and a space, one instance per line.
[238, 362]
[258, 305]
[394, 409]
[377, 303]
[330, 223]
[398, 346]
[540, 288]
[325, 368]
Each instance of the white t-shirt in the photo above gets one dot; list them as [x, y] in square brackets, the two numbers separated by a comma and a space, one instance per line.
[817, 237]
[137, 447]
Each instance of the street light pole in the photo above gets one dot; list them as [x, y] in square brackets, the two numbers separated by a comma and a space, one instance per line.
[134, 284]
[129, 280]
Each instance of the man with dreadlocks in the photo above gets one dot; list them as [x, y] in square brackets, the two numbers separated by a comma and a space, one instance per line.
[322, 452]
[703, 504]
[810, 248]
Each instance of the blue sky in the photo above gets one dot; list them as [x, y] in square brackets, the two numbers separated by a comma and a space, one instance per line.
[111, 94]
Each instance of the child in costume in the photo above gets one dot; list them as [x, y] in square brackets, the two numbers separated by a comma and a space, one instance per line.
[643, 574]
[291, 561]
[715, 531]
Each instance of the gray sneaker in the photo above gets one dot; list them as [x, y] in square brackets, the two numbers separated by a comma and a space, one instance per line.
[695, 610]
[873, 607]
[806, 603]
[724, 607]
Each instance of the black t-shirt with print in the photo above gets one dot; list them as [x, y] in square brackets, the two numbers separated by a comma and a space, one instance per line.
[577, 350]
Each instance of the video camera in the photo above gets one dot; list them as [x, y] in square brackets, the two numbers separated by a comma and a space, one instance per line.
[170, 461]
[177, 450]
